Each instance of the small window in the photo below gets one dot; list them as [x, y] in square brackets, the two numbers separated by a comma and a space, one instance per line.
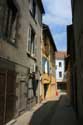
[60, 64]
[60, 74]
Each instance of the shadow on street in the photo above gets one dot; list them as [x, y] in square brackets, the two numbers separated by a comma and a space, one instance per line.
[44, 114]
[55, 112]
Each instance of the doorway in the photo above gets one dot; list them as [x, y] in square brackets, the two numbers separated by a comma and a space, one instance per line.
[45, 90]
[7, 96]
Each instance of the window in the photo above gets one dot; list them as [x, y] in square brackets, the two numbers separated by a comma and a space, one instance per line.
[31, 41]
[60, 64]
[60, 74]
[39, 16]
[2, 17]
[45, 65]
[32, 7]
[8, 15]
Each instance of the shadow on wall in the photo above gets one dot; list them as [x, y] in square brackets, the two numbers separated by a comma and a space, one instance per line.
[44, 114]
[45, 90]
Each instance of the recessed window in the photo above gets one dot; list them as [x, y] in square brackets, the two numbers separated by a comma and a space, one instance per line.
[31, 41]
[8, 17]
[60, 74]
[45, 65]
[60, 64]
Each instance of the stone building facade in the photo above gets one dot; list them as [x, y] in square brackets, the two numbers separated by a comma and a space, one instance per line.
[77, 19]
[20, 56]
[71, 67]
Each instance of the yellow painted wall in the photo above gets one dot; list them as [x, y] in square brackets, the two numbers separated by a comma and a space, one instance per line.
[51, 82]
[49, 53]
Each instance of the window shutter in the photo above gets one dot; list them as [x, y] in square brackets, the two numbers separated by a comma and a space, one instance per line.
[32, 46]
[35, 45]
[31, 5]
[29, 39]
[3, 16]
[32, 41]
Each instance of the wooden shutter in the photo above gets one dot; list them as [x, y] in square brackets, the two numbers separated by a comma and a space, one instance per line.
[31, 5]
[2, 97]
[7, 96]
[29, 39]
[32, 41]
[30, 89]
[10, 95]
[3, 17]
[35, 45]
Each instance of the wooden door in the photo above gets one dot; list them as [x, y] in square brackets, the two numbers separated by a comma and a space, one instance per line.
[7, 96]
[2, 97]
[23, 91]
[10, 95]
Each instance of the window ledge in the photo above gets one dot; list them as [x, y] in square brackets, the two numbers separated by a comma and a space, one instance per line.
[13, 44]
[28, 53]
[31, 55]
[9, 41]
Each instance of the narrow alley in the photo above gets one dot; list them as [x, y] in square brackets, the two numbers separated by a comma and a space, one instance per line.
[41, 62]
[55, 113]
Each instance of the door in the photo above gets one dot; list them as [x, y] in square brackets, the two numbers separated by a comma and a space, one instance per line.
[7, 96]
[2, 97]
[10, 95]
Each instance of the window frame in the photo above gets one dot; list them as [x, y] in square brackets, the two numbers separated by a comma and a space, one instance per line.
[60, 64]
[31, 41]
[6, 31]
[60, 74]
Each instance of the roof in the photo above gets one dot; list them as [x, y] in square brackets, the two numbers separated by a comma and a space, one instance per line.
[46, 29]
[60, 55]
[40, 4]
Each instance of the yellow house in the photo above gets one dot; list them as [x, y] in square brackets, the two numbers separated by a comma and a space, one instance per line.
[48, 64]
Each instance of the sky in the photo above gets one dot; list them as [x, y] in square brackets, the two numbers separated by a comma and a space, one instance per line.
[58, 16]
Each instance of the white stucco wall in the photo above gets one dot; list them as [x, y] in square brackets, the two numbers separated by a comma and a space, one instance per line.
[60, 69]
